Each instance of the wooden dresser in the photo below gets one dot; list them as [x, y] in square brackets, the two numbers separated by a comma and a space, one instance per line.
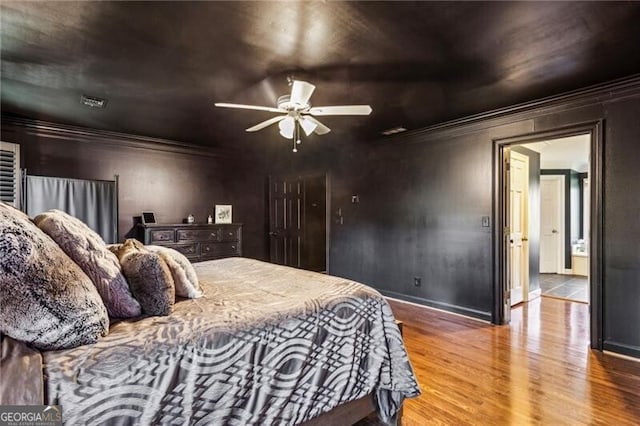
[196, 241]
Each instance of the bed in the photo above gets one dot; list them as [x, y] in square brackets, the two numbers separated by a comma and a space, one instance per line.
[266, 344]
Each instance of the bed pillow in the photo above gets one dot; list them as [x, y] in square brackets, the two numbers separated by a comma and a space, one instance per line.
[184, 276]
[149, 277]
[89, 251]
[45, 298]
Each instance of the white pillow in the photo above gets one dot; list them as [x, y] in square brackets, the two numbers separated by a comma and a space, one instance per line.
[184, 276]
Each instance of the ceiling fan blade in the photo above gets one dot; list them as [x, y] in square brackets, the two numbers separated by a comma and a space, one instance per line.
[266, 123]
[320, 129]
[241, 106]
[341, 110]
[301, 92]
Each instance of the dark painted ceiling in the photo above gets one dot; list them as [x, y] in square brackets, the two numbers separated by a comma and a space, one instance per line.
[162, 65]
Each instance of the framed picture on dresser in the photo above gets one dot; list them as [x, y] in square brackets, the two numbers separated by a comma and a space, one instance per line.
[223, 213]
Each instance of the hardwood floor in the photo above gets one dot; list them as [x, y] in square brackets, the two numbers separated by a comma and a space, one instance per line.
[537, 370]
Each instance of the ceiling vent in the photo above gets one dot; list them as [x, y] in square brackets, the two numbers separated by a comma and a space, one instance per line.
[394, 130]
[93, 102]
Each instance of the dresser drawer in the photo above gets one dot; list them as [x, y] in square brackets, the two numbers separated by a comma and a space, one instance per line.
[189, 250]
[220, 249]
[211, 234]
[161, 236]
[229, 234]
[197, 234]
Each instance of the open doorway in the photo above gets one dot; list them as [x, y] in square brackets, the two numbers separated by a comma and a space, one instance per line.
[563, 204]
[549, 220]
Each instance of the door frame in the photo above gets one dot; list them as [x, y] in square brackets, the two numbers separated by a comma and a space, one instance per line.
[501, 299]
[560, 264]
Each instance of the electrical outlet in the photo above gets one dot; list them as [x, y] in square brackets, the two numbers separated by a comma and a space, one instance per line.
[417, 281]
[486, 221]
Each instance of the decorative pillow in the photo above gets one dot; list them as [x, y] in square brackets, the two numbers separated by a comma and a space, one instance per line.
[148, 276]
[89, 251]
[184, 276]
[45, 298]
[114, 248]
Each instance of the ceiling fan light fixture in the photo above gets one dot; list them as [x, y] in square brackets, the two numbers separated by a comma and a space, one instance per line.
[286, 127]
[307, 125]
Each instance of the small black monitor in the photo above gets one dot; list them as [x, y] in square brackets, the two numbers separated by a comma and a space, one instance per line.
[148, 217]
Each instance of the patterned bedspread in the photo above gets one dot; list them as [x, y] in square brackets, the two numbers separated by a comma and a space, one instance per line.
[266, 345]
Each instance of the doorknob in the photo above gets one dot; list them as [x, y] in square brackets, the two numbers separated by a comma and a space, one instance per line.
[554, 231]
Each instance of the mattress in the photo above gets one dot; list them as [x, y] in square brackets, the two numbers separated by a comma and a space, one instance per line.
[266, 344]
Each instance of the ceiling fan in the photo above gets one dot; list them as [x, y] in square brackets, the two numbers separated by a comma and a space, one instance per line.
[298, 113]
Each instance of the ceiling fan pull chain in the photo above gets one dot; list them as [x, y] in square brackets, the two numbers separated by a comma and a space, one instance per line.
[293, 139]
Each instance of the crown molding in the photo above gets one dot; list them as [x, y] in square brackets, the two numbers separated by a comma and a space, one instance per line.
[596, 94]
[51, 130]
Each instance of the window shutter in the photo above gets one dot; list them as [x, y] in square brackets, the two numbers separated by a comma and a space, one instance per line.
[10, 173]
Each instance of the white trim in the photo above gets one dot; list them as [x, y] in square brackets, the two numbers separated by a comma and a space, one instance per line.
[617, 355]
[436, 309]
[535, 294]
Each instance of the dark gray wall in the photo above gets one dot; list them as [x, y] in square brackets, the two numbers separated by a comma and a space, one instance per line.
[534, 215]
[159, 177]
[622, 227]
[581, 177]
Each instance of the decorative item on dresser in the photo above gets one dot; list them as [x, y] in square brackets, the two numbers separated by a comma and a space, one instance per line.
[196, 241]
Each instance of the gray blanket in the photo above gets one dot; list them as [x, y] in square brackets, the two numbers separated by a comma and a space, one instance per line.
[266, 345]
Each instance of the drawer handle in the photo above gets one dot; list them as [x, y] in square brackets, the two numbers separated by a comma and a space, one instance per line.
[208, 248]
[233, 247]
[230, 234]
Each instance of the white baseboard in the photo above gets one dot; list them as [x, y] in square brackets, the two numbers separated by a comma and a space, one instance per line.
[630, 358]
[535, 294]
[436, 309]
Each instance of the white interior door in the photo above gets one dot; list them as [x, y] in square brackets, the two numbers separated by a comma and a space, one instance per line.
[550, 223]
[518, 227]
